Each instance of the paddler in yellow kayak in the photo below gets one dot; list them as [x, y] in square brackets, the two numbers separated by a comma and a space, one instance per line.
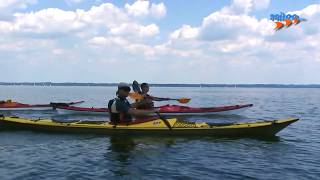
[121, 111]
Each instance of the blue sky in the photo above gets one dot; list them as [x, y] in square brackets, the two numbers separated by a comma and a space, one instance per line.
[211, 41]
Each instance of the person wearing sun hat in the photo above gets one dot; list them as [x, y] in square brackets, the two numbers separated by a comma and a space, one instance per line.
[120, 108]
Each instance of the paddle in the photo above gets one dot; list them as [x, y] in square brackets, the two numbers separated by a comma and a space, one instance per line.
[137, 96]
[54, 104]
[166, 122]
[136, 86]
[182, 100]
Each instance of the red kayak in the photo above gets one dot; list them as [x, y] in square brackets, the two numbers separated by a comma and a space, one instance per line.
[16, 106]
[166, 110]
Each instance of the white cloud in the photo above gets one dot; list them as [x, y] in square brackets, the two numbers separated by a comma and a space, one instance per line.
[58, 51]
[98, 41]
[74, 1]
[135, 30]
[158, 10]
[228, 24]
[80, 32]
[312, 14]
[245, 6]
[309, 11]
[241, 40]
[229, 41]
[139, 8]
[238, 7]
[47, 20]
[9, 6]
[219, 26]
[55, 22]
[261, 4]
[142, 8]
[15, 4]
[185, 32]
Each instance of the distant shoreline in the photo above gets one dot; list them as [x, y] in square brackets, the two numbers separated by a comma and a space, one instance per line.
[166, 85]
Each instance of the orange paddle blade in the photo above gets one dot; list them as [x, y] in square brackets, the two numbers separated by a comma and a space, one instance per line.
[183, 100]
[135, 96]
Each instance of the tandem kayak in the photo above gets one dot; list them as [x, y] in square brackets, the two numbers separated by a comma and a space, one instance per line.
[150, 126]
[166, 110]
[16, 106]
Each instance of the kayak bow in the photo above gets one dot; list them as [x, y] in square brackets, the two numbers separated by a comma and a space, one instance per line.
[16, 106]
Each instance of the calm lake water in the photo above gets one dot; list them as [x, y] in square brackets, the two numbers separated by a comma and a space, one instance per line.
[293, 154]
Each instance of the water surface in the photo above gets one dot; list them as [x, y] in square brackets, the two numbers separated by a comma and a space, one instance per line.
[293, 154]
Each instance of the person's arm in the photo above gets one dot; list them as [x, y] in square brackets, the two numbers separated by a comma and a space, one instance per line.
[142, 103]
[121, 107]
[135, 104]
[140, 112]
[159, 99]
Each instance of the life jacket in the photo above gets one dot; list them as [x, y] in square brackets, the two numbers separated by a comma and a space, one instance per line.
[117, 117]
[146, 102]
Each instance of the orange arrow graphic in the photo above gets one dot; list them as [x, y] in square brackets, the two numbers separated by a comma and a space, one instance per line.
[296, 21]
[287, 22]
[279, 25]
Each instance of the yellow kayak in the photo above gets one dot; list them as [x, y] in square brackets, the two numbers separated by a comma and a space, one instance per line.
[150, 126]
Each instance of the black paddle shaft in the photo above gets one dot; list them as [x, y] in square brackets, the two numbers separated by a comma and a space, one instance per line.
[164, 120]
[136, 86]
